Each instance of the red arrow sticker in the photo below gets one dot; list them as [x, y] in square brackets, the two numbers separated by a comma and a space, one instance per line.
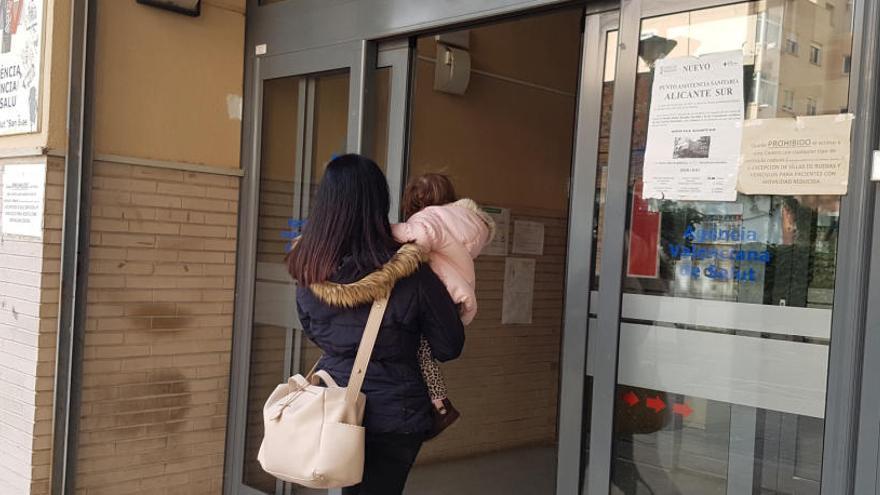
[683, 410]
[631, 398]
[655, 403]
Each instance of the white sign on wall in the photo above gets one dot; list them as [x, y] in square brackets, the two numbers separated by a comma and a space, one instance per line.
[21, 33]
[22, 200]
[501, 216]
[528, 237]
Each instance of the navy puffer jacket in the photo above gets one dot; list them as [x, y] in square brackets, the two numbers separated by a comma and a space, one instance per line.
[334, 314]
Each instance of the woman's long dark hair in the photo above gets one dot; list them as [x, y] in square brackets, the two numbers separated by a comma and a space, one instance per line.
[349, 217]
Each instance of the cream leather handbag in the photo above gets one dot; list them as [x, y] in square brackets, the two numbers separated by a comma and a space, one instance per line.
[313, 435]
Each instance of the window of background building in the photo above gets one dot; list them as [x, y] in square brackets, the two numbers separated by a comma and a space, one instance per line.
[815, 54]
[791, 45]
[768, 92]
[847, 64]
[788, 100]
[811, 106]
[769, 33]
[829, 7]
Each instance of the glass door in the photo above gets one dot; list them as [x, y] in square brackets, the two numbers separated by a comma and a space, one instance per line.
[709, 355]
[587, 200]
[308, 109]
[687, 344]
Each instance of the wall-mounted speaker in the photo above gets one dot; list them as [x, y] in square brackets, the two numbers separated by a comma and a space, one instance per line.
[191, 8]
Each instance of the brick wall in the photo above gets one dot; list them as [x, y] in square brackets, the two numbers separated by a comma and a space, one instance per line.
[159, 331]
[45, 376]
[506, 382]
[21, 262]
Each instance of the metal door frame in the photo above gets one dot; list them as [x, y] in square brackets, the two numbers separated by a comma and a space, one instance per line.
[330, 29]
[348, 56]
[574, 354]
[868, 454]
[398, 57]
[868, 450]
[850, 298]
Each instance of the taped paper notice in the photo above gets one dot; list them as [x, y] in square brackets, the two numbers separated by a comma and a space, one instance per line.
[498, 246]
[802, 156]
[528, 237]
[519, 291]
[695, 128]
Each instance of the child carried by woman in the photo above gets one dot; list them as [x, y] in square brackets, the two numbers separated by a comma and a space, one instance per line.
[452, 232]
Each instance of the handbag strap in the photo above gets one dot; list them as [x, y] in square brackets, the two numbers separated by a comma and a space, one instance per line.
[365, 350]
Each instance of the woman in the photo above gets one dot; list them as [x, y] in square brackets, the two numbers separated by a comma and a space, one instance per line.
[346, 258]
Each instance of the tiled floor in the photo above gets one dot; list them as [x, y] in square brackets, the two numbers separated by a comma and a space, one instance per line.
[529, 471]
[686, 461]
[651, 480]
[532, 471]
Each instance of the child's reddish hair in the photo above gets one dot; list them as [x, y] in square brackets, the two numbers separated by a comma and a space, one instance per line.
[427, 190]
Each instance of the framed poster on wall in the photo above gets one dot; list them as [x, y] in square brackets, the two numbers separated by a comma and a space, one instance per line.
[21, 36]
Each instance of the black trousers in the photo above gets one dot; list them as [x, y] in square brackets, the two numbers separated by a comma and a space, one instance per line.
[389, 457]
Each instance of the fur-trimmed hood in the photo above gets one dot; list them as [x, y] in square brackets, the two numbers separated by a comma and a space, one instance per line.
[419, 308]
[374, 285]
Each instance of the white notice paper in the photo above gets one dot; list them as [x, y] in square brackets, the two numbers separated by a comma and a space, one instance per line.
[498, 246]
[802, 156]
[528, 237]
[21, 208]
[695, 128]
[519, 290]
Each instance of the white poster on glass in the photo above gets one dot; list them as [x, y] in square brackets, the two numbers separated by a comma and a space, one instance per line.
[695, 128]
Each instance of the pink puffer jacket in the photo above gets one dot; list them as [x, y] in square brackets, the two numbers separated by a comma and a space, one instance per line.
[453, 235]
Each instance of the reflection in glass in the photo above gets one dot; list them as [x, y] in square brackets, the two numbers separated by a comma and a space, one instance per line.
[279, 148]
[328, 98]
[602, 159]
[674, 432]
[266, 366]
[382, 104]
[799, 233]
[304, 122]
